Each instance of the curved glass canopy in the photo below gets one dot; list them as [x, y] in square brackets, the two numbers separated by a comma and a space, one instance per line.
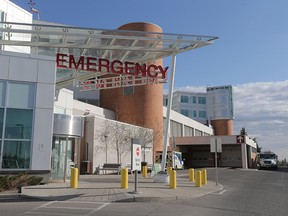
[122, 45]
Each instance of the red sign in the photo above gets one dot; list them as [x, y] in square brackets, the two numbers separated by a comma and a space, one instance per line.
[137, 151]
[92, 64]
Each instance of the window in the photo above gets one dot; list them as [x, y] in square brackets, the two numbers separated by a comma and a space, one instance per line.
[201, 100]
[188, 131]
[18, 124]
[202, 114]
[16, 155]
[127, 91]
[21, 95]
[194, 113]
[194, 99]
[185, 112]
[184, 99]
[198, 132]
[176, 129]
[1, 122]
[17, 102]
[2, 93]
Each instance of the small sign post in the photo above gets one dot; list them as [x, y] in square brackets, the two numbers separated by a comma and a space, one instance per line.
[135, 160]
[216, 146]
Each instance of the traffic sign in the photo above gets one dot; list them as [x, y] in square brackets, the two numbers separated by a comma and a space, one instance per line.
[216, 145]
[136, 155]
[240, 139]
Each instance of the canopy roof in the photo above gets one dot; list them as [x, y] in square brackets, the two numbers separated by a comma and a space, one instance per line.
[122, 45]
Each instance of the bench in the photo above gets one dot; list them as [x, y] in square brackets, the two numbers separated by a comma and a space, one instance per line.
[110, 167]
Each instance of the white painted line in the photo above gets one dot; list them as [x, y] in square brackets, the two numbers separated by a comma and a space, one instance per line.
[46, 206]
[40, 207]
[220, 193]
[35, 212]
[99, 208]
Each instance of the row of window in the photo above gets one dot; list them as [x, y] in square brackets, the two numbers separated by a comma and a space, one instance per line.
[17, 102]
[193, 99]
[193, 114]
[176, 130]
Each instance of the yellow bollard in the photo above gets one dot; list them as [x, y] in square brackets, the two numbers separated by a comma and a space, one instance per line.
[173, 180]
[191, 175]
[198, 181]
[124, 178]
[144, 171]
[74, 178]
[204, 176]
[169, 170]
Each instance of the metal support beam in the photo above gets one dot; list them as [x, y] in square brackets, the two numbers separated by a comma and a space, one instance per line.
[167, 122]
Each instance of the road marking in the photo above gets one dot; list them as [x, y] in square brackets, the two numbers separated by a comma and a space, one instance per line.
[90, 209]
[220, 193]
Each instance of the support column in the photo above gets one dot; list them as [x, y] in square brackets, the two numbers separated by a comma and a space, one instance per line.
[167, 122]
[244, 156]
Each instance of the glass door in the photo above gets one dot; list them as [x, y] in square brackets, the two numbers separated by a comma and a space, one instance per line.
[64, 156]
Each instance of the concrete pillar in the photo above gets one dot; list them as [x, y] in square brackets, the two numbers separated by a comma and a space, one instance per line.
[244, 156]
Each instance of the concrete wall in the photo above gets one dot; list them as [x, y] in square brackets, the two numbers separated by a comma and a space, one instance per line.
[102, 134]
[39, 70]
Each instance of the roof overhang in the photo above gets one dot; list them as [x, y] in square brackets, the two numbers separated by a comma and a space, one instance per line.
[126, 46]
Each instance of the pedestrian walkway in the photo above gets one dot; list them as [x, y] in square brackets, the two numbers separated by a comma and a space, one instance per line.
[106, 188]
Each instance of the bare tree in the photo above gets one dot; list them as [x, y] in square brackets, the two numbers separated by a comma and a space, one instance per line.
[122, 134]
[104, 135]
[146, 138]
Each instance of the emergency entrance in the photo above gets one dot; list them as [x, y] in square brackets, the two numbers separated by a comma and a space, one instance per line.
[91, 59]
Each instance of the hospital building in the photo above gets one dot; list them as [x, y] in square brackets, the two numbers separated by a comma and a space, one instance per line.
[75, 96]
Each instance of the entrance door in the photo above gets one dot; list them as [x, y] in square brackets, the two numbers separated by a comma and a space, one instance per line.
[64, 156]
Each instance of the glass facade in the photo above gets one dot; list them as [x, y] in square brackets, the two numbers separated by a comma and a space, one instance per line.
[17, 102]
[220, 100]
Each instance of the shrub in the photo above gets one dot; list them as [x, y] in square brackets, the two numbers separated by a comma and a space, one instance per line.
[16, 182]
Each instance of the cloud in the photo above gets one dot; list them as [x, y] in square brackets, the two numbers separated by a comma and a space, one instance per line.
[201, 89]
[262, 108]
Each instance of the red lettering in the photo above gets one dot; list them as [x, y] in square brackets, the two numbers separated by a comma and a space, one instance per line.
[140, 69]
[154, 74]
[129, 68]
[60, 60]
[103, 63]
[74, 65]
[120, 68]
[163, 71]
[91, 65]
[117, 67]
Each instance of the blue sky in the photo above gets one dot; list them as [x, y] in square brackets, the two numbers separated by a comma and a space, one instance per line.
[252, 45]
[250, 54]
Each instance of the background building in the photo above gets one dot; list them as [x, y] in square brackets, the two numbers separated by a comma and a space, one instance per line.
[215, 107]
[220, 109]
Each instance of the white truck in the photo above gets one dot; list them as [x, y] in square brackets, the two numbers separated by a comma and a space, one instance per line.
[174, 159]
[267, 160]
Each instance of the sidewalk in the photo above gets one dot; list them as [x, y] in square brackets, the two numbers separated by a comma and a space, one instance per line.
[106, 188]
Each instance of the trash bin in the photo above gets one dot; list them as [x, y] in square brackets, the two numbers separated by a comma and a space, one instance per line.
[86, 167]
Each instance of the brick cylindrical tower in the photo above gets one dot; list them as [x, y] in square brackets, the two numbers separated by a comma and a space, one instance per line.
[222, 127]
[144, 107]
